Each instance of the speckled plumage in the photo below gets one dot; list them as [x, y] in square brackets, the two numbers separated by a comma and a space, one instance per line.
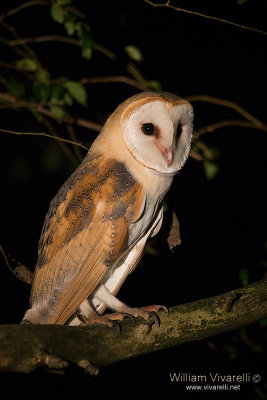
[97, 225]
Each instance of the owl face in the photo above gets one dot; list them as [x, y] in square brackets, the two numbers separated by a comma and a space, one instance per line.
[158, 133]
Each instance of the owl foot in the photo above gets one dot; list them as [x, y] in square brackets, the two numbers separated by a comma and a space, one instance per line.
[98, 319]
[153, 309]
[145, 312]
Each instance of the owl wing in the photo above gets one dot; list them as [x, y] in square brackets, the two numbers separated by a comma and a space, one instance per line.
[83, 235]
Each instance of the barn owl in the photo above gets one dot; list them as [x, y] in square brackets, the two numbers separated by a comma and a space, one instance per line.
[97, 226]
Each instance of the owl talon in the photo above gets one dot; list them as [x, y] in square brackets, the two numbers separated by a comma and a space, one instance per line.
[155, 317]
[164, 309]
[131, 317]
[155, 308]
[117, 325]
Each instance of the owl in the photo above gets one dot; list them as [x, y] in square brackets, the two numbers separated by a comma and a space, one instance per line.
[98, 224]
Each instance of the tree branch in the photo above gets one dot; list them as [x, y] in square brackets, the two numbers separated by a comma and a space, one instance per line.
[198, 14]
[56, 38]
[23, 6]
[40, 107]
[229, 104]
[46, 135]
[110, 79]
[25, 347]
[222, 124]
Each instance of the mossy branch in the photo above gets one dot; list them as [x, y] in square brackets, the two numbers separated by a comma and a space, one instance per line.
[25, 347]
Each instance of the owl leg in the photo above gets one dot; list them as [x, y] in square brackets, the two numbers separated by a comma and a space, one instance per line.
[122, 309]
[88, 316]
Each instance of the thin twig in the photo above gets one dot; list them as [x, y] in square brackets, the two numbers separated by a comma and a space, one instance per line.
[15, 68]
[23, 6]
[167, 4]
[206, 150]
[3, 80]
[61, 143]
[6, 261]
[88, 124]
[10, 66]
[136, 73]
[75, 11]
[110, 79]
[230, 104]
[222, 124]
[42, 39]
[196, 156]
[46, 135]
[61, 39]
[27, 48]
[21, 272]
[44, 111]
[73, 137]
[105, 51]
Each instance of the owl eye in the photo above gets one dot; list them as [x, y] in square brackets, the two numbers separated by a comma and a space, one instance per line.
[148, 129]
[179, 130]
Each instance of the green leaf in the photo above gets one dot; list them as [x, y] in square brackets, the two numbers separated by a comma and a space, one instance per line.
[42, 75]
[3, 100]
[211, 169]
[57, 93]
[263, 323]
[67, 99]
[70, 23]
[134, 53]
[154, 85]
[41, 92]
[58, 112]
[37, 115]
[166, 206]
[244, 276]
[70, 27]
[16, 88]
[77, 91]
[27, 64]
[63, 2]
[57, 13]
[87, 52]
[195, 148]
[86, 39]
[211, 153]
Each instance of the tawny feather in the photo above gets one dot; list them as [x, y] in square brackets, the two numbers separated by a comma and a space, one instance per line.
[84, 235]
[98, 224]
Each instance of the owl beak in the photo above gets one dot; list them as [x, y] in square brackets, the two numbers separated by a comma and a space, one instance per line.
[167, 154]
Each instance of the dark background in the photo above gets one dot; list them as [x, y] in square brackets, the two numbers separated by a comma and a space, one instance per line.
[222, 220]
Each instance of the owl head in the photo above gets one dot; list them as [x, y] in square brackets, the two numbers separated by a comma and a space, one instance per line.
[154, 128]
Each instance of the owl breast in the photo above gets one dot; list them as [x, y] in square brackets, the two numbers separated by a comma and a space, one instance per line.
[139, 232]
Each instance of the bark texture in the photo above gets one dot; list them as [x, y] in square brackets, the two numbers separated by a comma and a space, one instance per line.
[25, 347]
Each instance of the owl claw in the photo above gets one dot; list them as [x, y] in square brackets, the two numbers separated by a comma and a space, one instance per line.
[117, 325]
[155, 308]
[164, 309]
[131, 317]
[155, 317]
